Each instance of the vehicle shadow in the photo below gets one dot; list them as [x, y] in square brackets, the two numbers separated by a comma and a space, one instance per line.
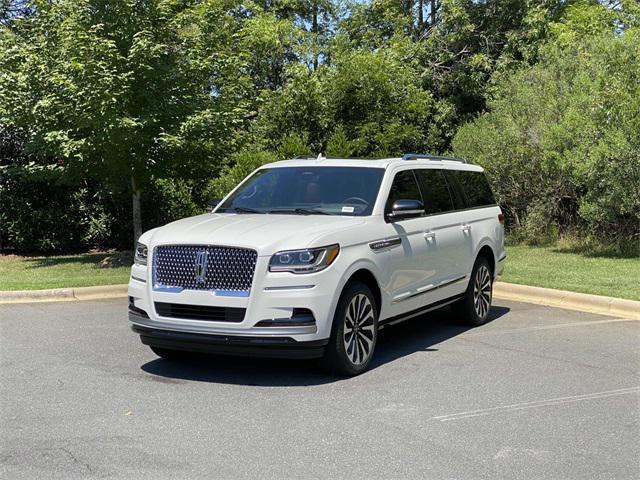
[420, 334]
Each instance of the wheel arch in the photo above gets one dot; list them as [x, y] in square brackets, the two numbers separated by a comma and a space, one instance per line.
[367, 277]
[487, 251]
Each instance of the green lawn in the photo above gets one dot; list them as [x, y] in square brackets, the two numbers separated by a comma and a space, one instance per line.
[562, 268]
[34, 273]
[551, 267]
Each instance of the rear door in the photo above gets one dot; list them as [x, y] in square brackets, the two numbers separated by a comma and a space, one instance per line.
[443, 233]
[477, 216]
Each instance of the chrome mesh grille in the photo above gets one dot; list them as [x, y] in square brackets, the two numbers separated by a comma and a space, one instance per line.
[227, 268]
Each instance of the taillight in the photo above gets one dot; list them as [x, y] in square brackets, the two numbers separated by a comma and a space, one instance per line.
[501, 218]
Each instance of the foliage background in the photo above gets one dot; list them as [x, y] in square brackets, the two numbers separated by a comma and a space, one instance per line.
[121, 115]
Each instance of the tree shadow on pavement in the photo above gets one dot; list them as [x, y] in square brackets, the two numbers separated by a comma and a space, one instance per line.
[420, 334]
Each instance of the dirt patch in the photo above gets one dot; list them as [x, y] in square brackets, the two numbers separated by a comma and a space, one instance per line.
[117, 259]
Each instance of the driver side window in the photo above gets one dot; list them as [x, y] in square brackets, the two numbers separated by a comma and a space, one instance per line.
[404, 187]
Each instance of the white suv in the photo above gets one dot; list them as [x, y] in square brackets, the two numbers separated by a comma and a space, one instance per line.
[309, 258]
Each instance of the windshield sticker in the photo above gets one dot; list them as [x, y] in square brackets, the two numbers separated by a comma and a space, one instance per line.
[347, 209]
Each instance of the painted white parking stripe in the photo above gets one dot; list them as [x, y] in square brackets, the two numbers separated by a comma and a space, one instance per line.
[482, 333]
[536, 404]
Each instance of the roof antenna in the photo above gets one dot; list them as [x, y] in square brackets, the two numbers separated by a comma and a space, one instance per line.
[320, 158]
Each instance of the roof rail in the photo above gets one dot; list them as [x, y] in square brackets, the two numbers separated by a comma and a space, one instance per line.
[421, 156]
[310, 157]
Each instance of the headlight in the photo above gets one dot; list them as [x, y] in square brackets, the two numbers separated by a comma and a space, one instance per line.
[140, 257]
[309, 260]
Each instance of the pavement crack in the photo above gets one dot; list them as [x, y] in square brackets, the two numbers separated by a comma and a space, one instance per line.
[76, 460]
[544, 357]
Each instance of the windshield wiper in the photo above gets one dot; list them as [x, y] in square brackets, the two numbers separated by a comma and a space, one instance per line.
[239, 210]
[302, 211]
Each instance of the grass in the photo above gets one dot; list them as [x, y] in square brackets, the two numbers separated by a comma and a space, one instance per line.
[561, 267]
[567, 268]
[34, 273]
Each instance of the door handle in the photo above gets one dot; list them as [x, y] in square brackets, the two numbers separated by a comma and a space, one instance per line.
[466, 228]
[430, 236]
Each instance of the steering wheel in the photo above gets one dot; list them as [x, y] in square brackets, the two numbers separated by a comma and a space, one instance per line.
[356, 200]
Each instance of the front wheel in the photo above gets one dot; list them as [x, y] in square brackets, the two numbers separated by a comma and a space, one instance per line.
[473, 308]
[354, 332]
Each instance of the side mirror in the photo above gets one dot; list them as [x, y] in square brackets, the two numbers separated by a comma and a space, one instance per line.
[403, 209]
[213, 204]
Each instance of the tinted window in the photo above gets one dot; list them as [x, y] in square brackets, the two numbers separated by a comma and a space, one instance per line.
[457, 194]
[435, 192]
[475, 187]
[335, 190]
[404, 187]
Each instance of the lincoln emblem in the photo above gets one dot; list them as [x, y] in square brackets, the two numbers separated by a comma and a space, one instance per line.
[201, 266]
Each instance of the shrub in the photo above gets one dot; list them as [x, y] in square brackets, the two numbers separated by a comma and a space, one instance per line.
[39, 211]
[560, 142]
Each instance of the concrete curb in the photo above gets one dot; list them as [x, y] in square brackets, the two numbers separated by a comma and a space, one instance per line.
[63, 294]
[616, 307]
[582, 302]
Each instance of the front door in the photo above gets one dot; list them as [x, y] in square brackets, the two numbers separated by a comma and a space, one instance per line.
[413, 266]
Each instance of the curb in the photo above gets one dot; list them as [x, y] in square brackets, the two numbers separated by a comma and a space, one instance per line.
[64, 294]
[581, 302]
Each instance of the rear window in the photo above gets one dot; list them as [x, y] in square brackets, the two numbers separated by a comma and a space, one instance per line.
[473, 186]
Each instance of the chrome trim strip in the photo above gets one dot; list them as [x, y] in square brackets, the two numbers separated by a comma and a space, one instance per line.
[288, 287]
[427, 288]
[382, 244]
[217, 293]
[246, 332]
[160, 288]
[230, 293]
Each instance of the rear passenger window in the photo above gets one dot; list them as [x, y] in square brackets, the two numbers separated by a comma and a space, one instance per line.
[457, 194]
[474, 186]
[435, 191]
[404, 187]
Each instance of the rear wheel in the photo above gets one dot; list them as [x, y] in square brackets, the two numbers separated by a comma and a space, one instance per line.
[354, 332]
[473, 308]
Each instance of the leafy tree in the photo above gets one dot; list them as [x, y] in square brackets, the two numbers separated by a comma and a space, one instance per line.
[125, 89]
[561, 138]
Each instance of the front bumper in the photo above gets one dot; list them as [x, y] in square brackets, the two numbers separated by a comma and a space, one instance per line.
[241, 345]
[269, 310]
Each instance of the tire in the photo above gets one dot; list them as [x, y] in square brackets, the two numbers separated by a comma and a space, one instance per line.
[473, 309]
[351, 353]
[169, 354]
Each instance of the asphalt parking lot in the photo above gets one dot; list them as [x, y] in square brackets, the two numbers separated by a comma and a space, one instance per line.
[536, 393]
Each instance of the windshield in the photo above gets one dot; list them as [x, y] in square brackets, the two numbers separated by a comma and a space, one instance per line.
[307, 191]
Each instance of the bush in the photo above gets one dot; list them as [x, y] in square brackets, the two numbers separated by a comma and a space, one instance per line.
[560, 142]
[39, 211]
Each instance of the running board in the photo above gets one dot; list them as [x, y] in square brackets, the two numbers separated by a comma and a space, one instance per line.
[415, 313]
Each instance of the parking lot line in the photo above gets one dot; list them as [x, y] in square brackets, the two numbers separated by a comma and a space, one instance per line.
[481, 333]
[536, 404]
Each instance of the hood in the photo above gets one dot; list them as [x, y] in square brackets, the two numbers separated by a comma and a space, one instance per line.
[266, 233]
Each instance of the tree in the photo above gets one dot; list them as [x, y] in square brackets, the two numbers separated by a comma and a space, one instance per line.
[118, 89]
[561, 138]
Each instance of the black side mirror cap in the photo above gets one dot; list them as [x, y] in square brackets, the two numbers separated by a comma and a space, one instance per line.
[213, 204]
[403, 209]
